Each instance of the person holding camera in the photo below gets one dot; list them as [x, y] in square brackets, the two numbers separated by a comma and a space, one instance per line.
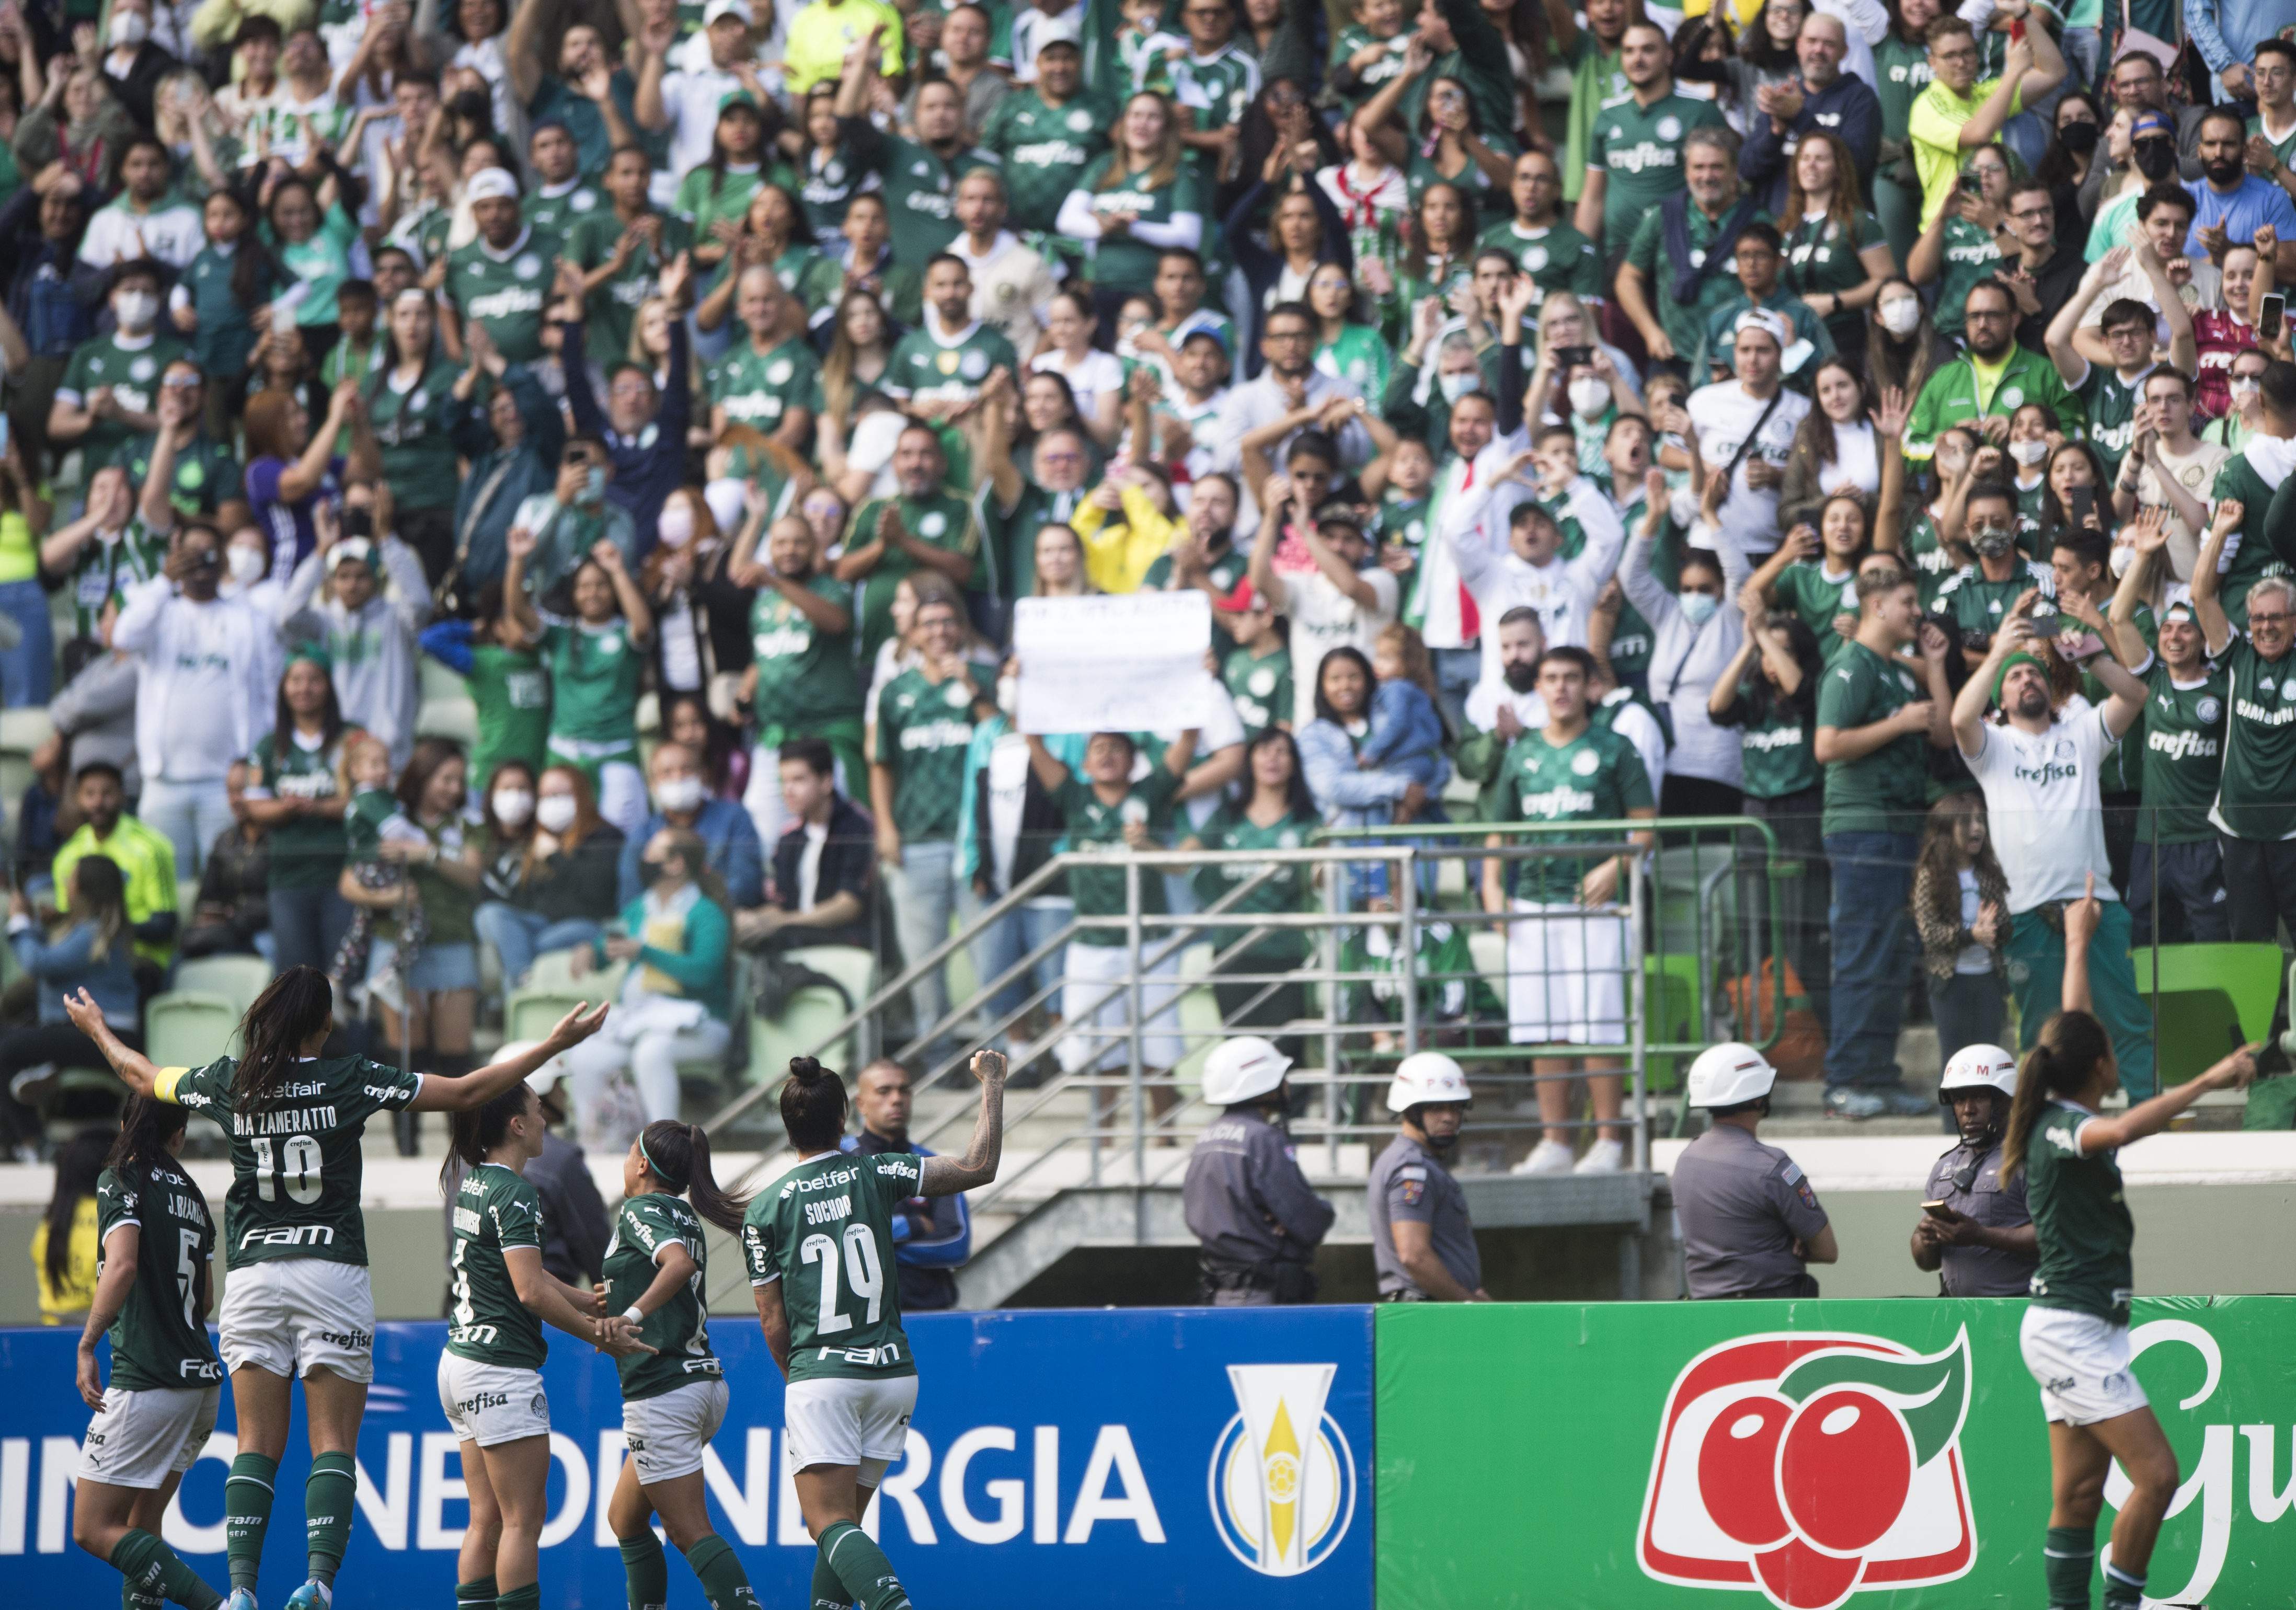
[1976, 1233]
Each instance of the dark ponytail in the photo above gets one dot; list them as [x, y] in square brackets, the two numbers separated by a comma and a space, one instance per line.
[297, 1005]
[2062, 1062]
[475, 1132]
[677, 1154]
[813, 1106]
[145, 1129]
[78, 1163]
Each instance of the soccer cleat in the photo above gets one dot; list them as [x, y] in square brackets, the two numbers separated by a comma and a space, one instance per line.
[313, 1595]
[1604, 1157]
[1548, 1157]
[1857, 1106]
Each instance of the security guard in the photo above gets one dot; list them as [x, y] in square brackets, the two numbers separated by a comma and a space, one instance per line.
[1421, 1242]
[1248, 1203]
[1750, 1223]
[1980, 1234]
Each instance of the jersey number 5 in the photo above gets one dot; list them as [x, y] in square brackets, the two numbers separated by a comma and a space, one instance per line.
[297, 1168]
[864, 1272]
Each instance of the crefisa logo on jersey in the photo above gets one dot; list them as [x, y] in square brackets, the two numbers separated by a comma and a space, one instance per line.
[1811, 1467]
[1282, 1482]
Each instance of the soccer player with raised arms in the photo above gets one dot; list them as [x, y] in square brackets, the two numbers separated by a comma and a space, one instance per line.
[299, 1302]
[820, 1251]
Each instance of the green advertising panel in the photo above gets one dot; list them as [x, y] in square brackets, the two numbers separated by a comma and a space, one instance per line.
[1882, 1455]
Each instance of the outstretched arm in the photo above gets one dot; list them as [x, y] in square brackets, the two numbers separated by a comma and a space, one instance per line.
[442, 1094]
[946, 1176]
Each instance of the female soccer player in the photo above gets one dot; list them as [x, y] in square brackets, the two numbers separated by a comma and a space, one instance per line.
[2075, 1336]
[295, 1242]
[490, 1375]
[834, 1324]
[151, 1294]
[673, 1394]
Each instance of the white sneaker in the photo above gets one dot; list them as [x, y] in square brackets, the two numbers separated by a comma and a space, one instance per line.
[1604, 1157]
[1548, 1157]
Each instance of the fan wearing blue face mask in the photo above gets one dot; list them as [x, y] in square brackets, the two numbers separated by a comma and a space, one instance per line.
[1694, 642]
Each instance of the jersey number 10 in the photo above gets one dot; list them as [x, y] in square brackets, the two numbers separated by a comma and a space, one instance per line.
[297, 1168]
[864, 1273]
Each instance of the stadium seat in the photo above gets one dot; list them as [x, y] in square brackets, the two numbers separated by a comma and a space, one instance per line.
[234, 978]
[531, 1012]
[811, 1012]
[189, 1027]
[2210, 999]
[22, 731]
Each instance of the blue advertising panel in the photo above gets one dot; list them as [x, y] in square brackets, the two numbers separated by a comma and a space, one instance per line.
[1120, 1458]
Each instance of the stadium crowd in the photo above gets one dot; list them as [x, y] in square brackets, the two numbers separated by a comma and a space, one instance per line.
[1853, 416]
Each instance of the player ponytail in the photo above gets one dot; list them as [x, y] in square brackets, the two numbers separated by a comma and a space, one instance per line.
[475, 1132]
[145, 1128]
[677, 1154]
[813, 1106]
[2062, 1062]
[294, 1006]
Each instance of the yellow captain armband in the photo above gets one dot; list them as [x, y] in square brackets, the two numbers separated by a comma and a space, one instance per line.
[163, 1087]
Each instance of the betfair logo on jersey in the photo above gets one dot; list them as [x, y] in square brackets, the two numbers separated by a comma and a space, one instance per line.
[1282, 1476]
[2180, 745]
[834, 1180]
[1811, 1467]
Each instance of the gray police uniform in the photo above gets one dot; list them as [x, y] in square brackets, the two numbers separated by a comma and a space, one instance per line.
[1408, 1183]
[1244, 1185]
[1742, 1206]
[1981, 1271]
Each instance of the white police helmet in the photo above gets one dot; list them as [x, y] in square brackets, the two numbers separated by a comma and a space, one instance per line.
[1241, 1068]
[1426, 1076]
[1980, 1068]
[1729, 1073]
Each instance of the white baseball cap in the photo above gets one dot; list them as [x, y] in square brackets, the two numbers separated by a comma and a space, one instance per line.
[727, 8]
[543, 1079]
[492, 184]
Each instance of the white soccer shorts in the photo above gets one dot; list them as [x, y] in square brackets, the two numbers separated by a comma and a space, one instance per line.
[491, 1404]
[293, 1315]
[667, 1433]
[1566, 976]
[850, 1422]
[2081, 1363]
[139, 1439]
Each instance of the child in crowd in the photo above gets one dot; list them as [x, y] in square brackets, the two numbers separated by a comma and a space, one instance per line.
[1404, 504]
[1406, 735]
[1369, 53]
[1146, 51]
[1258, 672]
[374, 817]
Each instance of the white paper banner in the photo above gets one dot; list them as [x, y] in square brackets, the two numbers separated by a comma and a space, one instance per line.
[1131, 664]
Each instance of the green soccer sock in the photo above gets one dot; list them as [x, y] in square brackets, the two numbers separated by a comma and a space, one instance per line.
[477, 1594]
[862, 1566]
[828, 1592]
[329, 1492]
[247, 1514]
[154, 1573]
[647, 1568]
[529, 1598]
[724, 1583]
[2122, 1591]
[2069, 1560]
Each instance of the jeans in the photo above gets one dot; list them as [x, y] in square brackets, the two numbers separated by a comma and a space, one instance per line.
[308, 925]
[2190, 877]
[28, 670]
[1873, 883]
[1968, 1012]
[2027, 133]
[192, 814]
[518, 935]
[2081, 46]
[2037, 972]
[924, 889]
[1456, 671]
[1000, 946]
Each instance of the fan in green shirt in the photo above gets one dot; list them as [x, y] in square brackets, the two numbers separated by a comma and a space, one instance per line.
[1046, 134]
[115, 549]
[1635, 157]
[204, 475]
[1106, 813]
[109, 395]
[1995, 375]
[1572, 770]
[423, 415]
[502, 279]
[1825, 256]
[621, 250]
[801, 679]
[770, 379]
[1682, 324]
[943, 363]
[1766, 693]
[918, 176]
[1976, 600]
[1128, 185]
[295, 793]
[1277, 813]
[923, 725]
[1886, 788]
[596, 661]
[511, 691]
[927, 527]
[1556, 256]
[562, 197]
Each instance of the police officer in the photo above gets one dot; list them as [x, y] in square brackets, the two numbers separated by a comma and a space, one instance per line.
[1248, 1203]
[1980, 1234]
[1750, 1223]
[1421, 1242]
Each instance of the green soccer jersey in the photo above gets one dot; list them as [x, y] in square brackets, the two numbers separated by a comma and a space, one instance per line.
[1822, 256]
[1286, 889]
[941, 520]
[825, 1233]
[159, 1341]
[2111, 403]
[1096, 828]
[1420, 170]
[1260, 687]
[806, 678]
[512, 694]
[306, 852]
[495, 1211]
[1684, 322]
[1904, 71]
[296, 1162]
[1046, 150]
[707, 198]
[1557, 258]
[1360, 356]
[131, 367]
[1932, 561]
[363, 821]
[107, 568]
[1780, 753]
[1887, 790]
[811, 275]
[1971, 255]
[594, 671]
[760, 388]
[2256, 797]
[2184, 755]
[1451, 985]
[504, 290]
[1817, 594]
[2080, 1217]
[831, 180]
[2249, 556]
[1375, 74]
[416, 427]
[206, 475]
[644, 1227]
[1973, 607]
[1125, 262]
[1595, 777]
[928, 366]
[557, 215]
[920, 187]
[923, 728]
[1640, 148]
[2283, 149]
[613, 306]
[1215, 90]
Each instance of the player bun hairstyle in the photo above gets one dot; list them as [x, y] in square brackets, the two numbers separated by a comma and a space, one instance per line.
[293, 1008]
[474, 1131]
[2062, 1062]
[813, 1105]
[145, 1128]
[678, 1156]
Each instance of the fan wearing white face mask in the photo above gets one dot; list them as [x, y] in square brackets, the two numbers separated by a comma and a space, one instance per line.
[134, 65]
[551, 866]
[110, 392]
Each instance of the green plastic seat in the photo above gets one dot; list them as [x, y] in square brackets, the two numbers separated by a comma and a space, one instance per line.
[234, 978]
[811, 1013]
[191, 1028]
[1674, 1011]
[2210, 999]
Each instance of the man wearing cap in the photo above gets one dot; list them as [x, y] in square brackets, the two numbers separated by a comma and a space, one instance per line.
[1750, 1223]
[1047, 133]
[687, 102]
[1976, 1234]
[1745, 427]
[1012, 287]
[1249, 1205]
[2042, 777]
[920, 176]
[1338, 604]
[1532, 571]
[109, 390]
[369, 638]
[1761, 252]
[501, 279]
[1422, 1243]
[1990, 381]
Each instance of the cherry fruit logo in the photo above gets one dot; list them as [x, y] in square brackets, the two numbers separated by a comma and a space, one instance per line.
[1811, 1466]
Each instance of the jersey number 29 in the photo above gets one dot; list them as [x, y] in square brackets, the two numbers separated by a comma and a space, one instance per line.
[864, 1273]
